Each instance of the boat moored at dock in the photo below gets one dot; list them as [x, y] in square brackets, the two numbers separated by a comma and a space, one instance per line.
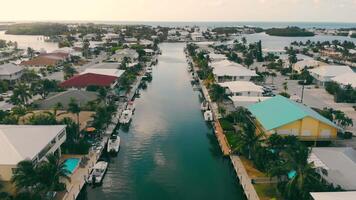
[113, 144]
[98, 172]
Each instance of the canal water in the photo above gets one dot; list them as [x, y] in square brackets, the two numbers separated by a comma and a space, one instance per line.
[169, 151]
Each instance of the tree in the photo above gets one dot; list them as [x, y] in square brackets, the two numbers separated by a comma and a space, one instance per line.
[273, 75]
[25, 176]
[103, 93]
[68, 71]
[249, 141]
[217, 93]
[30, 52]
[248, 60]
[285, 86]
[57, 107]
[243, 39]
[86, 49]
[74, 108]
[44, 86]
[21, 93]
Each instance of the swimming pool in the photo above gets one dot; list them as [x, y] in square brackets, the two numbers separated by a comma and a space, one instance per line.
[71, 164]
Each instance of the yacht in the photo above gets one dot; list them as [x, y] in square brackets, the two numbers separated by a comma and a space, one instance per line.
[204, 106]
[126, 117]
[208, 116]
[113, 144]
[131, 106]
[97, 174]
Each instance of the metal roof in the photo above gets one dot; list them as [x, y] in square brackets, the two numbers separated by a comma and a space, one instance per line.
[278, 111]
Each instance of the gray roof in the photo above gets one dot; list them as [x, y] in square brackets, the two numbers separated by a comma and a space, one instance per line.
[21, 142]
[340, 163]
[9, 68]
[82, 97]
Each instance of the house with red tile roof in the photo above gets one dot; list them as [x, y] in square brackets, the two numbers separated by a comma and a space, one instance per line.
[44, 60]
[89, 79]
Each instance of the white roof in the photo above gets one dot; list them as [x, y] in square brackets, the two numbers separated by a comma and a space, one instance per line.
[331, 70]
[149, 50]
[340, 162]
[227, 68]
[216, 57]
[334, 195]
[246, 100]
[346, 79]
[310, 63]
[9, 69]
[107, 72]
[242, 86]
[21, 142]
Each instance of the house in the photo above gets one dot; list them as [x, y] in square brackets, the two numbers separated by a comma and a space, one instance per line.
[228, 71]
[82, 97]
[243, 93]
[45, 60]
[325, 73]
[306, 64]
[10, 72]
[216, 57]
[122, 53]
[27, 142]
[70, 51]
[242, 88]
[149, 52]
[346, 79]
[104, 71]
[283, 116]
[197, 36]
[340, 164]
[349, 195]
[89, 79]
[146, 43]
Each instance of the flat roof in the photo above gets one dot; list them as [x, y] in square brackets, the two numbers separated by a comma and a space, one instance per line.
[227, 68]
[242, 86]
[107, 72]
[346, 79]
[331, 70]
[9, 69]
[21, 142]
[334, 195]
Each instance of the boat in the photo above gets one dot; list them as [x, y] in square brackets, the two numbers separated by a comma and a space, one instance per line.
[113, 144]
[204, 106]
[125, 117]
[208, 116]
[130, 106]
[149, 70]
[97, 174]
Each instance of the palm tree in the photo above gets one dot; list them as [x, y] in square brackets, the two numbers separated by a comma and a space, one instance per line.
[248, 142]
[217, 93]
[103, 94]
[273, 75]
[74, 108]
[21, 91]
[25, 176]
[285, 86]
[305, 178]
[51, 171]
[57, 107]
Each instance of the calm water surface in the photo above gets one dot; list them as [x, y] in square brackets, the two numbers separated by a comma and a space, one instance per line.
[34, 41]
[169, 151]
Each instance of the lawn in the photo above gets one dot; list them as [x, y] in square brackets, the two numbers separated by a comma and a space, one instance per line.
[250, 169]
[232, 139]
[267, 191]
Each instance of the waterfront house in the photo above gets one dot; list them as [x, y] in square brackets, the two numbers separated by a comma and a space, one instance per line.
[325, 73]
[285, 117]
[45, 60]
[10, 72]
[216, 57]
[243, 93]
[349, 195]
[228, 71]
[122, 53]
[27, 142]
[82, 97]
[340, 164]
[197, 37]
[346, 79]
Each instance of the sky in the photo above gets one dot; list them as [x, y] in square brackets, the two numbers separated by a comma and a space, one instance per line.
[179, 10]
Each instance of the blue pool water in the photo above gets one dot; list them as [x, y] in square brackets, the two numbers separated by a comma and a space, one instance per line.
[71, 164]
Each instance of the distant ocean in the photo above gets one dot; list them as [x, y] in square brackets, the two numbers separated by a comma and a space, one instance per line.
[327, 25]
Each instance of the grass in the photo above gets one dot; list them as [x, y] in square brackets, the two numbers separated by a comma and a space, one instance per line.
[232, 139]
[250, 169]
[267, 191]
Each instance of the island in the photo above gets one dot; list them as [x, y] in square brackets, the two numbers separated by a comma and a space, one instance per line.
[47, 29]
[289, 32]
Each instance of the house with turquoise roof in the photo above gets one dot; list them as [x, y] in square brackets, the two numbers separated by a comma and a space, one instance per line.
[285, 117]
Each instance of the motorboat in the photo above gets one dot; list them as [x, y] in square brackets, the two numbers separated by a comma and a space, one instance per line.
[208, 116]
[204, 106]
[97, 174]
[113, 144]
[130, 106]
[126, 117]
[149, 70]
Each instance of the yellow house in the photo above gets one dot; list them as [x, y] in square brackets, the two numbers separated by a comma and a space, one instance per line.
[286, 117]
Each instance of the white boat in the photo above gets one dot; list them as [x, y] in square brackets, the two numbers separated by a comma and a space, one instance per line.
[97, 174]
[130, 106]
[125, 117]
[208, 116]
[149, 70]
[204, 106]
[113, 144]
